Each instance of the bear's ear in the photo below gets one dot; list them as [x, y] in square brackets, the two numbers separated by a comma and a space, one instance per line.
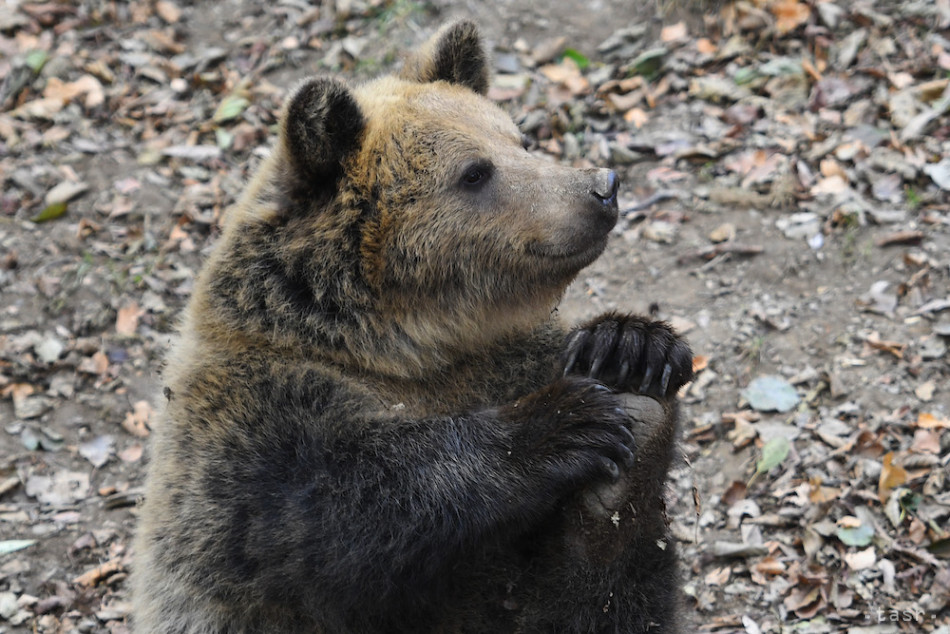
[455, 54]
[321, 125]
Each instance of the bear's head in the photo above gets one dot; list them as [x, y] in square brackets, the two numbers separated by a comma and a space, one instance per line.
[401, 224]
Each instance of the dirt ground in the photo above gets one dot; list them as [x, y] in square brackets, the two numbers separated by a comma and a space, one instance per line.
[794, 226]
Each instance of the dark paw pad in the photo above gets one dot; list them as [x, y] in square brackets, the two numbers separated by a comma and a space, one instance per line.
[630, 354]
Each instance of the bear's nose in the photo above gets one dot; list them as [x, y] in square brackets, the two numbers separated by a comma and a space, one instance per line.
[605, 186]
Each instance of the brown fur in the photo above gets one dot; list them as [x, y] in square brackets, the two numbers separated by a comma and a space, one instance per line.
[368, 429]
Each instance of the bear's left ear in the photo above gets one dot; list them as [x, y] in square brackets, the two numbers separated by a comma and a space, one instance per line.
[321, 125]
[455, 54]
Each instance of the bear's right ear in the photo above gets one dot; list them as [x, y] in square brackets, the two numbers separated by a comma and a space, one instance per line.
[455, 54]
[321, 125]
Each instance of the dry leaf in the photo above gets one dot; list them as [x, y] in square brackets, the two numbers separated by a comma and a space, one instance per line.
[132, 453]
[767, 567]
[168, 11]
[892, 476]
[718, 576]
[99, 573]
[925, 391]
[705, 46]
[930, 421]
[674, 32]
[805, 601]
[127, 320]
[790, 14]
[849, 521]
[818, 494]
[926, 441]
[861, 560]
[893, 347]
[636, 116]
[136, 421]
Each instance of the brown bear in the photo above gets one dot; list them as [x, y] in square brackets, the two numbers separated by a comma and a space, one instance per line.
[373, 421]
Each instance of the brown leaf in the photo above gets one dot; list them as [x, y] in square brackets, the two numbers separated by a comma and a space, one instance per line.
[127, 320]
[718, 576]
[805, 601]
[705, 46]
[136, 421]
[818, 494]
[168, 11]
[674, 32]
[636, 116]
[926, 441]
[767, 567]
[930, 421]
[99, 573]
[789, 14]
[900, 237]
[892, 476]
[892, 347]
[132, 453]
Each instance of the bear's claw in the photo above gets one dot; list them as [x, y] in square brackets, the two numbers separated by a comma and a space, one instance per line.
[629, 354]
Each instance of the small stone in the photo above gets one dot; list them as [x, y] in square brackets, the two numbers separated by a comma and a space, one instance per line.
[31, 406]
[8, 605]
[49, 349]
[723, 233]
[660, 231]
[830, 14]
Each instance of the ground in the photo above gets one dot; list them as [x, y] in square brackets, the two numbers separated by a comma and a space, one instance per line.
[785, 189]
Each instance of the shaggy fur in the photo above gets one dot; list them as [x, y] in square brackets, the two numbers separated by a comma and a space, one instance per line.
[373, 423]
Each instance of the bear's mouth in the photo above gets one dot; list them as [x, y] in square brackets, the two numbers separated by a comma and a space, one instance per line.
[577, 257]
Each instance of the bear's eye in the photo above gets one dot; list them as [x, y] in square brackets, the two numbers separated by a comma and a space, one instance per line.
[476, 174]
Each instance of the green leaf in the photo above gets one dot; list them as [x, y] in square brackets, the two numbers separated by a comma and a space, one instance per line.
[773, 453]
[51, 212]
[771, 394]
[13, 545]
[858, 536]
[649, 62]
[223, 138]
[746, 75]
[579, 58]
[36, 60]
[230, 108]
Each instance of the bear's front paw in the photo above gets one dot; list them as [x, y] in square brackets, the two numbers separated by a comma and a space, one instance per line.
[630, 354]
[576, 429]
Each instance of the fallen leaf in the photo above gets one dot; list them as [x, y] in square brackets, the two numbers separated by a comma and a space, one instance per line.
[805, 601]
[99, 573]
[127, 320]
[790, 14]
[930, 421]
[98, 450]
[861, 560]
[132, 453]
[771, 393]
[892, 347]
[718, 576]
[13, 545]
[136, 421]
[674, 32]
[892, 476]
[62, 488]
[774, 453]
[168, 11]
[925, 391]
[926, 441]
[636, 116]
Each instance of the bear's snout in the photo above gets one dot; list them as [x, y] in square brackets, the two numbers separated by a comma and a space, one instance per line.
[605, 186]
